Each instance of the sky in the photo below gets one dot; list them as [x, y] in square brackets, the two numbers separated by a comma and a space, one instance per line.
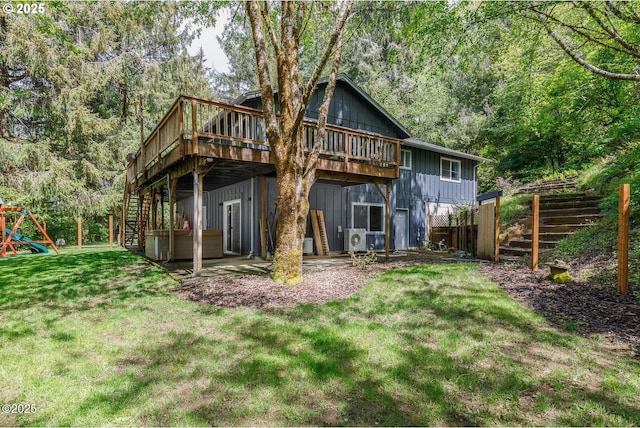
[214, 56]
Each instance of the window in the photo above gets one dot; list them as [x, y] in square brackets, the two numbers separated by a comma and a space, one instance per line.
[450, 170]
[405, 157]
[369, 217]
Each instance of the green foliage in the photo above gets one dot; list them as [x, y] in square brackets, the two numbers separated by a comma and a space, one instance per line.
[514, 208]
[606, 176]
[363, 261]
[70, 84]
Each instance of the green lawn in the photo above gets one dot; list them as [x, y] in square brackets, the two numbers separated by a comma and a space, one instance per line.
[94, 337]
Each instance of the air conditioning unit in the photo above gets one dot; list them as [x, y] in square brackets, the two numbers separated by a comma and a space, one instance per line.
[355, 240]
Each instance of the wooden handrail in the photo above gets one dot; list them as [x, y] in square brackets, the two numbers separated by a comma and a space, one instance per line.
[199, 119]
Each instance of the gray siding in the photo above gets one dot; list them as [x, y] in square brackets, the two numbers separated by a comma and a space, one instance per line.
[329, 198]
[213, 201]
[348, 109]
[415, 188]
[368, 194]
[424, 179]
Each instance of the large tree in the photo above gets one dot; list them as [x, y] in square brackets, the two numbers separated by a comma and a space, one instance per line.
[70, 83]
[295, 168]
[584, 28]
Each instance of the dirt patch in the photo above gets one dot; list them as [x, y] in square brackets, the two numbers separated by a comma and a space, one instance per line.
[321, 284]
[585, 308]
[260, 291]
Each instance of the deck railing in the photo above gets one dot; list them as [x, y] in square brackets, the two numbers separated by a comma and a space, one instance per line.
[192, 121]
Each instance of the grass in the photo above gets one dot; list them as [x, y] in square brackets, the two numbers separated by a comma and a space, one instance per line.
[514, 208]
[94, 337]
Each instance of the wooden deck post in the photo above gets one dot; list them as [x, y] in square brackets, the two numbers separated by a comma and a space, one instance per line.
[535, 232]
[173, 183]
[623, 238]
[197, 223]
[386, 195]
[263, 219]
[154, 209]
[387, 218]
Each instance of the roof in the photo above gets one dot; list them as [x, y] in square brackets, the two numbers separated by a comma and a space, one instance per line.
[439, 149]
[350, 83]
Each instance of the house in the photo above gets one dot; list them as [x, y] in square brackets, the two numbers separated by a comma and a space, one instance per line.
[214, 156]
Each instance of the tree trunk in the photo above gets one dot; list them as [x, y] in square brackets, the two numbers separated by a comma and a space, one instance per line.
[4, 85]
[293, 208]
[295, 170]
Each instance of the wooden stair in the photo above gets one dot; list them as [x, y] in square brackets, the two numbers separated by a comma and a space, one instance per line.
[549, 186]
[560, 216]
[137, 217]
[131, 221]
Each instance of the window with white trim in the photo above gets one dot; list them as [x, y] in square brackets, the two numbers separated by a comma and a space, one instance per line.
[369, 217]
[450, 170]
[405, 158]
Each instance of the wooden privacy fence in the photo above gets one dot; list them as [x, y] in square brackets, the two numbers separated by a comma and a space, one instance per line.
[459, 230]
[489, 226]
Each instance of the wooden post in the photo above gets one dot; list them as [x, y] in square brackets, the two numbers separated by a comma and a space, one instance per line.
[535, 232]
[387, 214]
[194, 127]
[197, 223]
[473, 232]
[110, 231]
[623, 238]
[173, 183]
[2, 231]
[263, 219]
[497, 231]
[79, 233]
[430, 236]
[154, 209]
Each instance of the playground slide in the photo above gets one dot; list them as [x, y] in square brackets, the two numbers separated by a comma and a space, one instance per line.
[35, 248]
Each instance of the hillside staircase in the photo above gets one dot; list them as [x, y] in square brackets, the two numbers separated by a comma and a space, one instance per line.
[567, 184]
[561, 214]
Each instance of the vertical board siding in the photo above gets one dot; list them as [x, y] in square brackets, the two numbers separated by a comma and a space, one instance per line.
[329, 198]
[214, 202]
[347, 108]
[422, 185]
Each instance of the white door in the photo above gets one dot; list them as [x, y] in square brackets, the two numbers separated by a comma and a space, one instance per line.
[231, 227]
[401, 222]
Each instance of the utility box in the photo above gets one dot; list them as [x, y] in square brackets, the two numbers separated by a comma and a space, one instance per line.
[307, 246]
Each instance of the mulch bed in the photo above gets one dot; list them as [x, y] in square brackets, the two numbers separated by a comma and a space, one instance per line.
[583, 308]
[586, 308]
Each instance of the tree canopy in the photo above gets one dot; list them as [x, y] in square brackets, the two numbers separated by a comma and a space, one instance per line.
[540, 87]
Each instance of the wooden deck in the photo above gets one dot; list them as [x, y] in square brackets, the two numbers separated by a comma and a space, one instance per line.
[195, 127]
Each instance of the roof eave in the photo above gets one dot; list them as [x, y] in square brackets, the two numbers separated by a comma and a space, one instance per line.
[443, 150]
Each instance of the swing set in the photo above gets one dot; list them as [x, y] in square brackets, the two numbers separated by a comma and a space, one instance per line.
[12, 239]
